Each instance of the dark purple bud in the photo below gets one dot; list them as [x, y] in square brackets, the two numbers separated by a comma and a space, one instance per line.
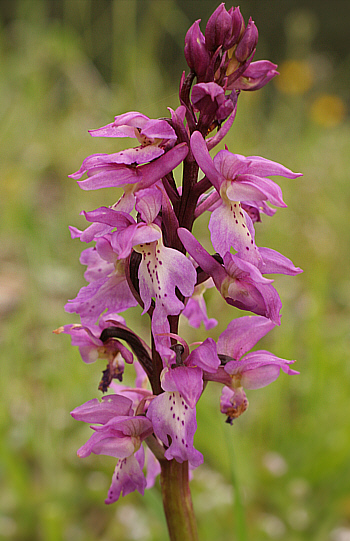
[237, 28]
[210, 100]
[207, 97]
[218, 29]
[196, 54]
[248, 42]
[224, 28]
[224, 110]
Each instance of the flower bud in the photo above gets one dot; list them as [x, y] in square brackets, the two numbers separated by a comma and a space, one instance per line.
[196, 54]
[207, 97]
[223, 28]
[233, 402]
[248, 42]
[237, 28]
[218, 28]
[210, 100]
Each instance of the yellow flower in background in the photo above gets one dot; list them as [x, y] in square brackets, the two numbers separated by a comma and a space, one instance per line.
[295, 77]
[328, 110]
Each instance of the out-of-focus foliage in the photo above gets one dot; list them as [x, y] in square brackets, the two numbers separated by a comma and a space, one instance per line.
[71, 65]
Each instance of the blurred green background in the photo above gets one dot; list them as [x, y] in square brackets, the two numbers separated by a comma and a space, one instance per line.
[72, 65]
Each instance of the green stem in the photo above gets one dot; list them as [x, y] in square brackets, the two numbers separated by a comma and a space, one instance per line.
[177, 501]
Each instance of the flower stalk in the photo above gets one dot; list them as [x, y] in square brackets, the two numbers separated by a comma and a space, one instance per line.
[177, 501]
[146, 255]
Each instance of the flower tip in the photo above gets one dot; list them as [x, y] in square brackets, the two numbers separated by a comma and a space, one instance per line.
[290, 371]
[82, 184]
[59, 330]
[276, 319]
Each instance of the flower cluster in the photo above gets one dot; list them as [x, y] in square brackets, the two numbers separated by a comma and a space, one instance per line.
[145, 254]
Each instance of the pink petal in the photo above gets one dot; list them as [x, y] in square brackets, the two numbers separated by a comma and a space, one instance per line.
[159, 129]
[242, 334]
[148, 203]
[95, 411]
[202, 257]
[187, 380]
[274, 262]
[109, 444]
[127, 478]
[196, 312]
[230, 226]
[171, 416]
[260, 377]
[205, 356]
[263, 167]
[161, 271]
[202, 156]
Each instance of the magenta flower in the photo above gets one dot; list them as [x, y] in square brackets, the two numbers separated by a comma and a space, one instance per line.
[120, 435]
[91, 348]
[110, 171]
[110, 406]
[243, 370]
[161, 270]
[172, 417]
[258, 368]
[154, 136]
[240, 283]
[133, 124]
[237, 179]
[108, 288]
[173, 412]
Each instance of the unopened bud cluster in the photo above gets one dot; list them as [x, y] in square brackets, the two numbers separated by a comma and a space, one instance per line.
[225, 52]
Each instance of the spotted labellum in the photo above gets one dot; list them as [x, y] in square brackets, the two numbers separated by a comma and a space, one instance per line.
[145, 254]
